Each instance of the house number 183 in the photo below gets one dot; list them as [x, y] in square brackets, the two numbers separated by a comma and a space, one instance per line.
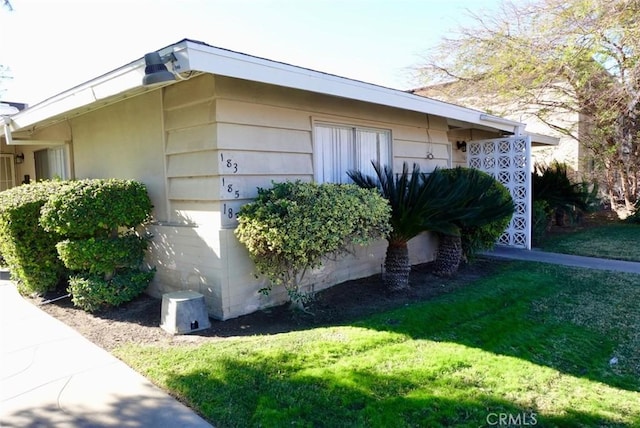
[229, 163]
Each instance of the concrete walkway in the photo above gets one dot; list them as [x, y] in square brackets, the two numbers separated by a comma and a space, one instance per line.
[51, 376]
[563, 259]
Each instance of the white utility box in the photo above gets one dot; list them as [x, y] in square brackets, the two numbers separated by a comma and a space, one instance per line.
[184, 312]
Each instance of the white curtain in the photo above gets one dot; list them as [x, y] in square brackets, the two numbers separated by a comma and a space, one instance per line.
[339, 149]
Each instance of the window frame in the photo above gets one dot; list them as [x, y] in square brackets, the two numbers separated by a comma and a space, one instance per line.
[353, 127]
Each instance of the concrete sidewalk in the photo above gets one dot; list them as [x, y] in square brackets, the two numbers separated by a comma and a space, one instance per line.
[51, 376]
[563, 259]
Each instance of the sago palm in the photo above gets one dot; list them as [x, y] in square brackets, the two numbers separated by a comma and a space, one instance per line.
[480, 214]
[415, 199]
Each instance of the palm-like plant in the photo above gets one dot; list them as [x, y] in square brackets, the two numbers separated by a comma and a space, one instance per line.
[553, 185]
[416, 199]
[478, 216]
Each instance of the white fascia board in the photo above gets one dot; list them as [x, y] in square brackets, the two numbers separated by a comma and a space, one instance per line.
[96, 93]
[541, 139]
[191, 56]
[85, 95]
[223, 62]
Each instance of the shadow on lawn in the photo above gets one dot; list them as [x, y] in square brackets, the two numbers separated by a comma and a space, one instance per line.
[517, 317]
[245, 396]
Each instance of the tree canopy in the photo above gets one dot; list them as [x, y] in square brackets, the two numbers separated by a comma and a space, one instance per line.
[552, 57]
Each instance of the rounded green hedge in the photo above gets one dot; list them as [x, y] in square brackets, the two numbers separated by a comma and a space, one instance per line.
[93, 207]
[30, 251]
[102, 255]
[93, 292]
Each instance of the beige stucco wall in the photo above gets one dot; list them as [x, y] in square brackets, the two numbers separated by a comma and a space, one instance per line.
[203, 146]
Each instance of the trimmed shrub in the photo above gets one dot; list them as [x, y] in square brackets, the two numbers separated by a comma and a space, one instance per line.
[291, 227]
[102, 255]
[87, 208]
[98, 217]
[28, 250]
[93, 292]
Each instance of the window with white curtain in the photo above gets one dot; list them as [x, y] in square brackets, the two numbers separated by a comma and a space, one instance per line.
[51, 164]
[340, 148]
[7, 173]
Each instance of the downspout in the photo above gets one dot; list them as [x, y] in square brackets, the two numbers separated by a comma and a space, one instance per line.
[6, 120]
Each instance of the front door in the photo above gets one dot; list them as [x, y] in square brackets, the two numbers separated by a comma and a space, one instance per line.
[509, 161]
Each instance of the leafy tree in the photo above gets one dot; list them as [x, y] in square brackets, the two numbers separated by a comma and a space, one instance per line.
[416, 200]
[4, 70]
[551, 58]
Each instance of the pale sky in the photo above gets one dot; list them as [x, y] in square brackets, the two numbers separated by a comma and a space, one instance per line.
[51, 46]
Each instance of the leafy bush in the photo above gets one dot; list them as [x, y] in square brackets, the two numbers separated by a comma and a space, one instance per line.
[28, 250]
[98, 218]
[93, 292]
[292, 226]
[102, 255]
[86, 208]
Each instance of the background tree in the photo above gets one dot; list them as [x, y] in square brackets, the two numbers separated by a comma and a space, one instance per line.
[550, 58]
[4, 70]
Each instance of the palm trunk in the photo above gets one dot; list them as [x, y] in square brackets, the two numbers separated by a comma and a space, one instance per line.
[449, 255]
[397, 267]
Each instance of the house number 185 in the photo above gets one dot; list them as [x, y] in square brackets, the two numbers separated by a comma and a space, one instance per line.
[230, 189]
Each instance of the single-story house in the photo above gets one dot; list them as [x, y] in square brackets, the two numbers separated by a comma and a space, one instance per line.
[208, 126]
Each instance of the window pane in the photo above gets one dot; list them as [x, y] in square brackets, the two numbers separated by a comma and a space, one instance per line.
[340, 149]
[335, 153]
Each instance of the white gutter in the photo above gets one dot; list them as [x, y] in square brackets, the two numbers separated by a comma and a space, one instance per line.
[100, 91]
[5, 111]
[223, 62]
[196, 56]
[6, 122]
[518, 126]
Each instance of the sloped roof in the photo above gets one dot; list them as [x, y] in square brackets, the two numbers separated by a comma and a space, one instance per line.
[194, 57]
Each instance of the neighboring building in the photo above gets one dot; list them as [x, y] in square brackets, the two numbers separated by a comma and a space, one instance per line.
[568, 150]
[228, 123]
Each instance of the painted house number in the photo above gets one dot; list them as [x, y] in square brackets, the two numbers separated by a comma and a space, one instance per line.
[229, 164]
[230, 189]
[229, 212]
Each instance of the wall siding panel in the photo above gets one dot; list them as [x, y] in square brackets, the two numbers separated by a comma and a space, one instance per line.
[220, 148]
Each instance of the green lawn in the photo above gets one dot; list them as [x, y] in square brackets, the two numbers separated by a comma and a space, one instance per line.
[614, 241]
[532, 342]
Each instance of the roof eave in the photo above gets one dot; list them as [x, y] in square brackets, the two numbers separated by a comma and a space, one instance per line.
[123, 82]
[207, 59]
[192, 56]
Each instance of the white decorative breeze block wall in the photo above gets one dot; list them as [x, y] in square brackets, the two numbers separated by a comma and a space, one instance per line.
[509, 161]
